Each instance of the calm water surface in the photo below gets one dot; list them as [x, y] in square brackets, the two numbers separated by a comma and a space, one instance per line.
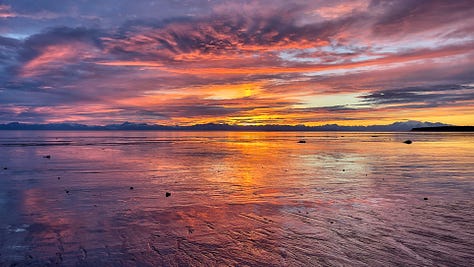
[247, 199]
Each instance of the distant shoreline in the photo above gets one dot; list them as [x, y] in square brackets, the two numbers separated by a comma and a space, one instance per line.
[198, 130]
[444, 129]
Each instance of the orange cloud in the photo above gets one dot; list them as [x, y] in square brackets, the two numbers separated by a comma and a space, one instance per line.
[55, 57]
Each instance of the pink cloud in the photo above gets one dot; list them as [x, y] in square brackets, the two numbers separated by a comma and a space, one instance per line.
[6, 12]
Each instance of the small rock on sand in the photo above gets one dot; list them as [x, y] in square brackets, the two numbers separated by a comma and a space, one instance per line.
[5, 168]
[301, 141]
[131, 187]
[190, 229]
[168, 194]
[47, 156]
[425, 198]
[407, 142]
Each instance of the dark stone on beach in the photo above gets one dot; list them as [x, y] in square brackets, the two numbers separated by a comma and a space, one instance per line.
[190, 229]
[425, 198]
[5, 168]
[131, 187]
[47, 156]
[301, 141]
[67, 191]
[59, 178]
[168, 194]
[374, 136]
[343, 170]
[407, 142]
[332, 222]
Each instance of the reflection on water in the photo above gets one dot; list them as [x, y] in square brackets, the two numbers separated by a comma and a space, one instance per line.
[236, 199]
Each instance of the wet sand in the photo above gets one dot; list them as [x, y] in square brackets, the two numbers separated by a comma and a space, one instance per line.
[247, 199]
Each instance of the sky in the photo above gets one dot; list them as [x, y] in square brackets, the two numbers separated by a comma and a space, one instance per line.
[185, 62]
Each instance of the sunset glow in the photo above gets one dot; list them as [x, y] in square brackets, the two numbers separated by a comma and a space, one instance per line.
[238, 62]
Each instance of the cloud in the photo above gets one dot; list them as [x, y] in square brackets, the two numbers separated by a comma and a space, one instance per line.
[236, 61]
[220, 37]
[6, 12]
[414, 16]
[420, 97]
[341, 9]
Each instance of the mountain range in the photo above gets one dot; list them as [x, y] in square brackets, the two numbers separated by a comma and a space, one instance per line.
[130, 126]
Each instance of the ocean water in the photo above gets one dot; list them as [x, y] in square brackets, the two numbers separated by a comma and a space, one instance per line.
[237, 198]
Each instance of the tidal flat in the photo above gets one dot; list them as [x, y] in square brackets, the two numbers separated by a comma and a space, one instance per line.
[123, 198]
